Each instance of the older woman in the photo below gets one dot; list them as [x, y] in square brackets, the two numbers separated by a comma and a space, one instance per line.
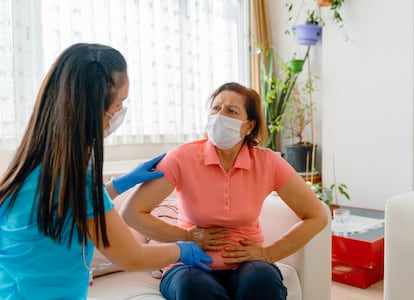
[221, 183]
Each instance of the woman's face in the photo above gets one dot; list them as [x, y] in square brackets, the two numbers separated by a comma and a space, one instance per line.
[116, 104]
[233, 105]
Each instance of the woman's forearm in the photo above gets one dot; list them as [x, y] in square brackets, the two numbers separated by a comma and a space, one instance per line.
[296, 238]
[154, 228]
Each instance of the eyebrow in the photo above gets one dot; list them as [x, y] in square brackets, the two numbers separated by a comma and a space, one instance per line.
[233, 106]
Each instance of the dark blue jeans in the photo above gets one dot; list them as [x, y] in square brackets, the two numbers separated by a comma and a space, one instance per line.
[251, 280]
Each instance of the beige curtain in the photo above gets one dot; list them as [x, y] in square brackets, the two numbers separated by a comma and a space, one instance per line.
[260, 37]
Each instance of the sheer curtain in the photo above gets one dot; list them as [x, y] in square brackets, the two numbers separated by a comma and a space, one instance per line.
[178, 51]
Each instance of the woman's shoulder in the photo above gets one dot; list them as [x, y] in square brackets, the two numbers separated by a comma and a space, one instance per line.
[182, 156]
[265, 152]
[189, 147]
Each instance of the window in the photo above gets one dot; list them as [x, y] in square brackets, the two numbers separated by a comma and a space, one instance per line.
[178, 52]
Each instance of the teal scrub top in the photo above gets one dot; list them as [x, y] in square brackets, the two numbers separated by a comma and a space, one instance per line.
[33, 266]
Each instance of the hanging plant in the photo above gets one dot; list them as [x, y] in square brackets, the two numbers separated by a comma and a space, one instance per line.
[296, 65]
[335, 10]
[325, 2]
[310, 33]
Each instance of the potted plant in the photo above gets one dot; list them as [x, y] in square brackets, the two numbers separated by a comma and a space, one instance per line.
[296, 65]
[297, 118]
[324, 2]
[276, 86]
[310, 33]
[334, 7]
[329, 195]
[335, 10]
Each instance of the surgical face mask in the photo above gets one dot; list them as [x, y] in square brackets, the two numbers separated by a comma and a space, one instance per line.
[115, 121]
[224, 132]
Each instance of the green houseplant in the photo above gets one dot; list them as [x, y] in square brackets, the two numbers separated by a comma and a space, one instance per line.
[335, 12]
[309, 33]
[314, 16]
[296, 119]
[277, 81]
[335, 8]
[329, 195]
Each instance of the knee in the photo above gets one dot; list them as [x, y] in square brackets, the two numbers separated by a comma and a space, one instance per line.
[261, 271]
[189, 283]
[263, 279]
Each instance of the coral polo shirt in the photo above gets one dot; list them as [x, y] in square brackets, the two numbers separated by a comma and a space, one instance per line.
[210, 196]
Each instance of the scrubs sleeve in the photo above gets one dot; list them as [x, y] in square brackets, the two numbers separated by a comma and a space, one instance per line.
[107, 201]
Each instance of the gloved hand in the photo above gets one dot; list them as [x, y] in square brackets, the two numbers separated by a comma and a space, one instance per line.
[192, 255]
[143, 172]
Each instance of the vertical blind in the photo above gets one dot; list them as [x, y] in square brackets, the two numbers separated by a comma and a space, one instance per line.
[178, 52]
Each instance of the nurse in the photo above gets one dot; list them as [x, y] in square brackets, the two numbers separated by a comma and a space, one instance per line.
[54, 208]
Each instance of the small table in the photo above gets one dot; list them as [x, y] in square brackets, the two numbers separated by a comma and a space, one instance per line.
[358, 257]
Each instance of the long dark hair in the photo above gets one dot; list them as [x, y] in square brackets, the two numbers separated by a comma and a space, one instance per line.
[258, 136]
[65, 137]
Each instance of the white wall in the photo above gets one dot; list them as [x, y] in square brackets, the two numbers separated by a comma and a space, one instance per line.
[366, 92]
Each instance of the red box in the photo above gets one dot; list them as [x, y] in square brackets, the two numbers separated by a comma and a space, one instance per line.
[361, 277]
[357, 252]
[358, 259]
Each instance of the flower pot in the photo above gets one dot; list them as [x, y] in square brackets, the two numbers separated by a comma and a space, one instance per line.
[300, 157]
[325, 2]
[296, 65]
[308, 34]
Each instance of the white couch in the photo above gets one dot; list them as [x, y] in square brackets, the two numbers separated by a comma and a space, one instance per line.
[399, 247]
[307, 273]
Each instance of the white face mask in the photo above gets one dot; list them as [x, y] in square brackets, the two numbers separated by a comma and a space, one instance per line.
[115, 121]
[223, 132]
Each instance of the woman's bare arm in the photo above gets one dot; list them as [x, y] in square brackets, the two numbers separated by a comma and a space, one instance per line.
[122, 241]
[136, 210]
[303, 201]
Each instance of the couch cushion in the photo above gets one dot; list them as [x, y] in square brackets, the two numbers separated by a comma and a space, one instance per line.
[125, 285]
[142, 285]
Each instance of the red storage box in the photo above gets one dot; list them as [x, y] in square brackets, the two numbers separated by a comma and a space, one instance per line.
[356, 262]
[358, 259]
[361, 277]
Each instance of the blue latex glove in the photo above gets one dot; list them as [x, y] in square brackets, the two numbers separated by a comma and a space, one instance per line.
[143, 172]
[191, 254]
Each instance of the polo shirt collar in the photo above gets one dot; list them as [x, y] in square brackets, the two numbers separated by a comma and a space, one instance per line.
[243, 160]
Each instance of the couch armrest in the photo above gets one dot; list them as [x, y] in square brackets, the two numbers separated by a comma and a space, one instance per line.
[313, 262]
[316, 275]
[399, 247]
